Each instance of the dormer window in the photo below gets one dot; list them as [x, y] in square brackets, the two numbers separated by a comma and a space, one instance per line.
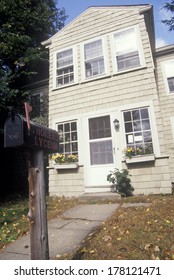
[94, 59]
[64, 68]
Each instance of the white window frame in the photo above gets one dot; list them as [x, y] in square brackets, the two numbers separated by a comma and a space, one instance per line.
[132, 133]
[70, 132]
[74, 64]
[153, 123]
[77, 119]
[165, 76]
[139, 49]
[105, 58]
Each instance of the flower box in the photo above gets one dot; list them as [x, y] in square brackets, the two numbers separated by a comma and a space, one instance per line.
[73, 165]
[141, 158]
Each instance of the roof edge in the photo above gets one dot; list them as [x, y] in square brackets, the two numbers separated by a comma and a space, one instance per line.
[145, 8]
[164, 50]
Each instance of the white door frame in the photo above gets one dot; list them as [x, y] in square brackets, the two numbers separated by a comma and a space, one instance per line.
[101, 170]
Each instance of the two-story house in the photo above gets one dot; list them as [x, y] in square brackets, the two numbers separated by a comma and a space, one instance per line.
[111, 90]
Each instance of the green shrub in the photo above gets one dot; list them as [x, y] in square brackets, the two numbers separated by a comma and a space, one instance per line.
[120, 181]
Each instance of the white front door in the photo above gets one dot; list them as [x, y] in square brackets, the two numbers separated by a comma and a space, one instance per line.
[101, 149]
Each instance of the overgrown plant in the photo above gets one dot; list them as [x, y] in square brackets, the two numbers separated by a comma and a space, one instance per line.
[121, 182]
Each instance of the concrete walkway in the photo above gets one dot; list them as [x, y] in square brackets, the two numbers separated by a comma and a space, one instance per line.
[66, 233]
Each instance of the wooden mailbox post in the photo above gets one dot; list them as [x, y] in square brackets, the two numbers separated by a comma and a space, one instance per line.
[35, 142]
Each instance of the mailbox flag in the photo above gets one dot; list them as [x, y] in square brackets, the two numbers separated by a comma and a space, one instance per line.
[28, 109]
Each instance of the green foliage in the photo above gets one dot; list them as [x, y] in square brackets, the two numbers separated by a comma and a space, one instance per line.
[169, 6]
[39, 112]
[24, 24]
[13, 220]
[121, 182]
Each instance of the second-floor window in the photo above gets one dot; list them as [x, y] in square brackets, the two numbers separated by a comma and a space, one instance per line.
[126, 49]
[94, 59]
[64, 68]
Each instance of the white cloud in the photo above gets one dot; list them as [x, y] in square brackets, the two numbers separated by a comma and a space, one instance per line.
[160, 42]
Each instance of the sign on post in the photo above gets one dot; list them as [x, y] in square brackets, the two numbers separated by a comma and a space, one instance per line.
[16, 134]
[36, 140]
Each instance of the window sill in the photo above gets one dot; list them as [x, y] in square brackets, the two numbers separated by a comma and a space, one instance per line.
[137, 159]
[65, 86]
[95, 78]
[129, 70]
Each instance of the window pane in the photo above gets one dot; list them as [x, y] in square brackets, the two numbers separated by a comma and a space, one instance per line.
[127, 116]
[74, 136]
[73, 126]
[147, 136]
[136, 115]
[74, 147]
[138, 138]
[144, 113]
[64, 58]
[67, 127]
[126, 46]
[125, 40]
[67, 137]
[67, 148]
[145, 124]
[101, 152]
[137, 126]
[171, 84]
[65, 68]
[128, 61]
[94, 60]
[99, 127]
[93, 49]
[128, 127]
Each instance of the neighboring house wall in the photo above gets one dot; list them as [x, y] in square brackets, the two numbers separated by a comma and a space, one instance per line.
[165, 81]
[110, 94]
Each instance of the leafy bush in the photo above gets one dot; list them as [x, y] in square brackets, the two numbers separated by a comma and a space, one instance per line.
[120, 181]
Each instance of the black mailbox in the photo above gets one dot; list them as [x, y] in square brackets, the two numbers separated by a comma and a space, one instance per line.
[17, 134]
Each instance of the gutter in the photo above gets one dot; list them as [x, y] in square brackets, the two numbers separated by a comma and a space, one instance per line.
[46, 43]
[164, 50]
[146, 9]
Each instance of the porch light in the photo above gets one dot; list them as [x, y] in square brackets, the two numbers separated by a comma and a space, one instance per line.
[116, 124]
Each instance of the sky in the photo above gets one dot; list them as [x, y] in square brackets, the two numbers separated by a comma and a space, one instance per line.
[163, 37]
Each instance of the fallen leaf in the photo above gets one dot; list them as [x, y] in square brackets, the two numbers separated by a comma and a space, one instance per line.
[107, 237]
[156, 249]
[92, 252]
[147, 247]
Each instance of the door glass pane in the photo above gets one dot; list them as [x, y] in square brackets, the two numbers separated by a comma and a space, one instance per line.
[101, 152]
[99, 127]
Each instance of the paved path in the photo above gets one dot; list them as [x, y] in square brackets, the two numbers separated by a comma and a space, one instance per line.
[65, 233]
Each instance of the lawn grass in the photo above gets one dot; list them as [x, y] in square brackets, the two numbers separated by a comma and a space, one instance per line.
[14, 222]
[134, 233]
[139, 232]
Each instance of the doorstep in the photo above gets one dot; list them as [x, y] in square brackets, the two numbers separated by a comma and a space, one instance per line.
[99, 196]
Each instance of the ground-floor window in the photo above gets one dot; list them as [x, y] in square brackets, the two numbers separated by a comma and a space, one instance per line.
[138, 130]
[68, 137]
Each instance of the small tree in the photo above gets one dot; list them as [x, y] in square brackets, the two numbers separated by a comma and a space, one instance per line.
[169, 6]
[120, 181]
[24, 24]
